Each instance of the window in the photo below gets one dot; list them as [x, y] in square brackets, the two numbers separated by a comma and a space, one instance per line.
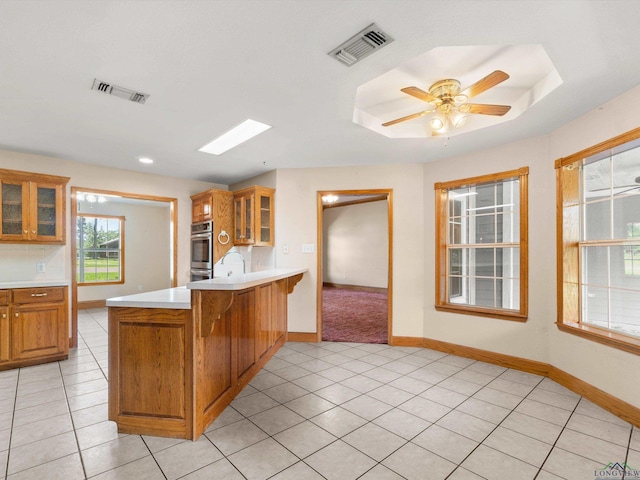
[100, 247]
[599, 242]
[481, 245]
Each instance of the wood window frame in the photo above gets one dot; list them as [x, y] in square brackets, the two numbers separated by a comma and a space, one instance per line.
[121, 219]
[442, 216]
[568, 248]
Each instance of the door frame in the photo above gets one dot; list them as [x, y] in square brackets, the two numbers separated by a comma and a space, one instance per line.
[173, 219]
[320, 208]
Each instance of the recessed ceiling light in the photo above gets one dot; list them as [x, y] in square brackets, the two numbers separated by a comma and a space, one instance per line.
[145, 160]
[234, 137]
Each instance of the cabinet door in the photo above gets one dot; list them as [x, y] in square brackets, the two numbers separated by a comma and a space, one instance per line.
[202, 207]
[37, 330]
[279, 320]
[244, 220]
[245, 322]
[4, 334]
[264, 314]
[14, 210]
[45, 217]
[264, 219]
[196, 210]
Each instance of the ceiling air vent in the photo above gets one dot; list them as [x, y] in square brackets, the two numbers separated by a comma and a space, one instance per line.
[362, 44]
[121, 92]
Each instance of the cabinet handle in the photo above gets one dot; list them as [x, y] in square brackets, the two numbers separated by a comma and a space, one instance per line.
[33, 231]
[26, 231]
[4, 315]
[39, 294]
[16, 314]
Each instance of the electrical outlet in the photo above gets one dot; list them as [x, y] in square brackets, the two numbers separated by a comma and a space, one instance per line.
[308, 248]
[41, 267]
[285, 249]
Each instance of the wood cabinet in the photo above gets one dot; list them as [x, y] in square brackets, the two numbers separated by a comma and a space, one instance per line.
[32, 207]
[215, 205]
[202, 207]
[254, 216]
[33, 326]
[244, 319]
[5, 345]
[200, 359]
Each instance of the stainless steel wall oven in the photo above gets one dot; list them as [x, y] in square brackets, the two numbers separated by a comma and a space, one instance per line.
[202, 250]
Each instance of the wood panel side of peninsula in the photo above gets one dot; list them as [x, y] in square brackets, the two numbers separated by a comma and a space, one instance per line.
[173, 371]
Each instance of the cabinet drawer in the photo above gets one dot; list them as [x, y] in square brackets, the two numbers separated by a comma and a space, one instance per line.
[4, 297]
[38, 295]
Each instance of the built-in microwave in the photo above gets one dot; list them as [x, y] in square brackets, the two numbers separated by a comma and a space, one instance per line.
[202, 246]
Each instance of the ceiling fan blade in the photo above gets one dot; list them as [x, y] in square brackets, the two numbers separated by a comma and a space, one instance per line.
[486, 109]
[421, 94]
[485, 84]
[408, 117]
[626, 191]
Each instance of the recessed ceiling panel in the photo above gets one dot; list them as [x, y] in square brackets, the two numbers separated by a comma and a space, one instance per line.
[531, 76]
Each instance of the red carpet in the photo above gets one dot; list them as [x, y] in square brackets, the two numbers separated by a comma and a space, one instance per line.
[353, 316]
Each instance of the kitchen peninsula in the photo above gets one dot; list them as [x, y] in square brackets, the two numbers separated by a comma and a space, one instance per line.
[178, 357]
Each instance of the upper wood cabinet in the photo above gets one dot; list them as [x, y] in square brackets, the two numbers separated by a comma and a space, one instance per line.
[254, 216]
[202, 207]
[32, 207]
[216, 205]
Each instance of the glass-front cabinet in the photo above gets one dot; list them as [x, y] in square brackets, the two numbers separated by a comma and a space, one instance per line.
[32, 207]
[254, 217]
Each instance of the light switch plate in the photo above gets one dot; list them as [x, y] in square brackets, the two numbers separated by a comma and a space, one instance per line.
[308, 248]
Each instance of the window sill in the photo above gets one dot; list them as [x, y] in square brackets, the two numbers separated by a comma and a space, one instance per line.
[605, 337]
[483, 312]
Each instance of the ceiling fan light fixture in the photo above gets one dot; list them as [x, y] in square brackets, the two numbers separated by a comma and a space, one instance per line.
[436, 123]
[459, 120]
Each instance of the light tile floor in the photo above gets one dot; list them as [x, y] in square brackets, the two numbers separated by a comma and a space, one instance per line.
[329, 410]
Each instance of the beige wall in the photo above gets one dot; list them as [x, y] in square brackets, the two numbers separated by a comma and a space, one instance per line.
[528, 339]
[146, 246]
[607, 368]
[103, 178]
[296, 223]
[356, 250]
[538, 339]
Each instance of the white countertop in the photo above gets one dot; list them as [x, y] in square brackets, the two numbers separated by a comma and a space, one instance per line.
[180, 297]
[35, 283]
[245, 280]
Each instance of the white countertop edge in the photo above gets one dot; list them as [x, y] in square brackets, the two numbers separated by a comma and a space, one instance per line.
[35, 284]
[174, 298]
[179, 298]
[247, 280]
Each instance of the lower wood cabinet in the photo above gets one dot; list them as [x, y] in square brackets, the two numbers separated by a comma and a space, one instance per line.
[172, 372]
[34, 326]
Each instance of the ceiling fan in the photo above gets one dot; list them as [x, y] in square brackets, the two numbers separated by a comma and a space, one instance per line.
[627, 188]
[450, 102]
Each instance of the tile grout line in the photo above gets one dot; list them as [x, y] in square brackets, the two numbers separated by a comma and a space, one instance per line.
[558, 438]
[73, 425]
[13, 416]
[493, 430]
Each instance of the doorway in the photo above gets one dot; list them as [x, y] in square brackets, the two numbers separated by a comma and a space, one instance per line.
[355, 244]
[91, 202]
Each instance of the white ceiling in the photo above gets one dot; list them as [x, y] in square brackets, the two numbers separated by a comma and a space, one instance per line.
[208, 65]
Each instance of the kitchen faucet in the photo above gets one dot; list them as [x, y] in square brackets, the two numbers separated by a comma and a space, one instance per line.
[244, 266]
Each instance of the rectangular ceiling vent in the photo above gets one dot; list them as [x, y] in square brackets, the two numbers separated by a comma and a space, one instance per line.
[121, 92]
[362, 44]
